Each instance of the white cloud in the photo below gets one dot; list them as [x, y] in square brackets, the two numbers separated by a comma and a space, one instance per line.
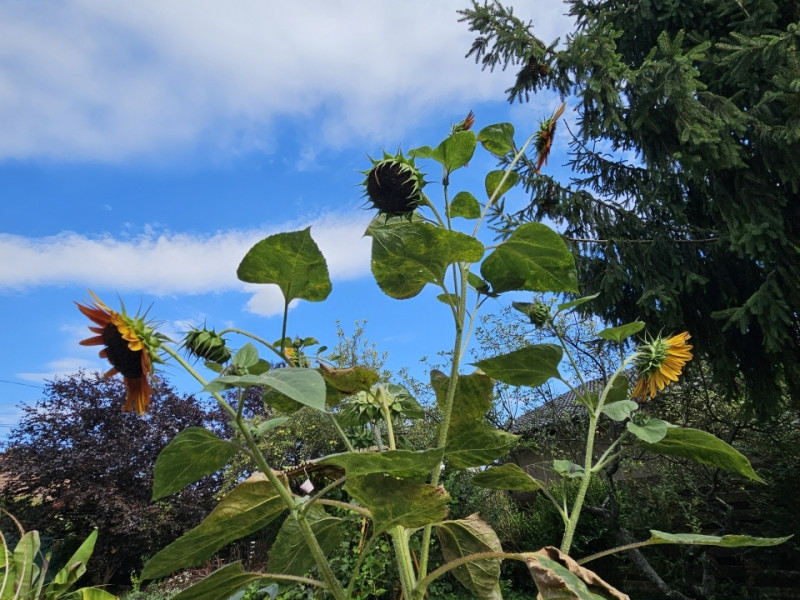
[170, 263]
[89, 79]
[62, 367]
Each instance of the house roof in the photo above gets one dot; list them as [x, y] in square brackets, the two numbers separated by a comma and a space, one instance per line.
[561, 408]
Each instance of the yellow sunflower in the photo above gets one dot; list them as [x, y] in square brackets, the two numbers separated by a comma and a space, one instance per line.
[130, 345]
[660, 362]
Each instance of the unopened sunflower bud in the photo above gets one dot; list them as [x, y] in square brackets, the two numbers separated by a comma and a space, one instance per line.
[207, 345]
[539, 313]
[394, 185]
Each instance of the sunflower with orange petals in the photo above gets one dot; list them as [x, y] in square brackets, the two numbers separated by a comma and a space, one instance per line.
[660, 362]
[130, 345]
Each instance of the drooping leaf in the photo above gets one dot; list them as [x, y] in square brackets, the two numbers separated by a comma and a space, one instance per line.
[222, 583]
[394, 502]
[498, 138]
[497, 183]
[576, 302]
[704, 448]
[291, 555]
[651, 432]
[194, 453]
[618, 390]
[406, 464]
[406, 256]
[534, 258]
[478, 445]
[620, 410]
[292, 261]
[567, 468]
[465, 205]
[470, 536]
[621, 332]
[351, 380]
[557, 576]
[726, 541]
[507, 477]
[530, 366]
[305, 386]
[472, 399]
[250, 506]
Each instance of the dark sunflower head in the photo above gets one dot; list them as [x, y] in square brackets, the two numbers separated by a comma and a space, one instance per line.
[394, 185]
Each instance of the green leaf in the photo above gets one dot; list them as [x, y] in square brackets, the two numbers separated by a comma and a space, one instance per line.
[26, 571]
[726, 541]
[617, 334]
[534, 258]
[530, 366]
[406, 256]
[704, 448]
[266, 426]
[222, 583]
[492, 182]
[471, 441]
[576, 302]
[251, 505]
[455, 151]
[652, 431]
[74, 568]
[479, 285]
[246, 357]
[618, 390]
[293, 262]
[478, 445]
[406, 464]
[472, 398]
[498, 138]
[567, 468]
[290, 553]
[305, 386]
[619, 410]
[351, 380]
[394, 502]
[470, 536]
[465, 205]
[507, 477]
[192, 454]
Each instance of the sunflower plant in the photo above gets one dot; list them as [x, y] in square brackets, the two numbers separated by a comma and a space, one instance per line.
[392, 491]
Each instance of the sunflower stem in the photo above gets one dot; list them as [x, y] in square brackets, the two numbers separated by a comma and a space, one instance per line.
[319, 556]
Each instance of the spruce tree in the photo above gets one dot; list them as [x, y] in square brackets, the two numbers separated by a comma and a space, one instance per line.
[684, 201]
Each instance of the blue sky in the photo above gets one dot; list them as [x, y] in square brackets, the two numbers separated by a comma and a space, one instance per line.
[146, 146]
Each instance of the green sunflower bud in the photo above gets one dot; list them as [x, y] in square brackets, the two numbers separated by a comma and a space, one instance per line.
[207, 345]
[394, 185]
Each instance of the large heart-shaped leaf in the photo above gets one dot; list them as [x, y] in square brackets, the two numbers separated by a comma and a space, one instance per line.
[406, 256]
[302, 385]
[406, 464]
[292, 261]
[250, 506]
[394, 502]
[290, 553]
[530, 366]
[194, 453]
[469, 536]
[534, 258]
[507, 477]
[498, 138]
[498, 183]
